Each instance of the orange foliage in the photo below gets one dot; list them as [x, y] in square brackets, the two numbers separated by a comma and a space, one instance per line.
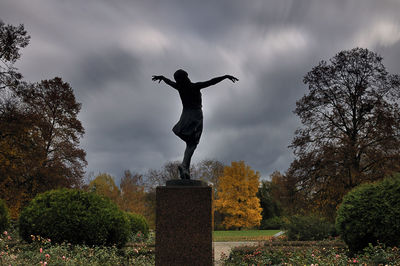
[237, 199]
[133, 196]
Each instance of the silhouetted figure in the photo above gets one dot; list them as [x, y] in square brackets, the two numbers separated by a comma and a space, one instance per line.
[190, 125]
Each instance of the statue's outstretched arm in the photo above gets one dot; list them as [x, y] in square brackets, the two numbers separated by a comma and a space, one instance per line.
[214, 81]
[166, 80]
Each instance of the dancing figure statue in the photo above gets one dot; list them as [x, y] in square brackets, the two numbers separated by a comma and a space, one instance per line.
[190, 124]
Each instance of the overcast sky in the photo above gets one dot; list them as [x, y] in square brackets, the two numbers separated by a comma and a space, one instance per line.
[108, 51]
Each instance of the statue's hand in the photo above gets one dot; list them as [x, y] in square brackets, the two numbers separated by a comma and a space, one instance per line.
[157, 78]
[232, 78]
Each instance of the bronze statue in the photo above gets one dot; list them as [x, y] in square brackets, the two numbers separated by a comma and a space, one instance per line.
[190, 124]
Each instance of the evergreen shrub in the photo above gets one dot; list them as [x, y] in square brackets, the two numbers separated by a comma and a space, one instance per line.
[273, 223]
[308, 228]
[370, 214]
[76, 217]
[137, 223]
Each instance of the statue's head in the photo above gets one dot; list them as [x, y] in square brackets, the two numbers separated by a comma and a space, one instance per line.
[181, 76]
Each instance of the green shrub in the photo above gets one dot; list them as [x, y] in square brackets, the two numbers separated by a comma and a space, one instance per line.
[370, 213]
[4, 216]
[74, 216]
[273, 223]
[308, 228]
[137, 224]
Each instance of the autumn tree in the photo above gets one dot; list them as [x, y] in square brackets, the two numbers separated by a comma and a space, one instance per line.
[133, 195]
[39, 129]
[350, 130]
[284, 191]
[269, 205]
[210, 170]
[237, 198]
[18, 156]
[39, 136]
[54, 110]
[14, 122]
[104, 185]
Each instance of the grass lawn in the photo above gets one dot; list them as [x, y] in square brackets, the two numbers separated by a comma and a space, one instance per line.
[245, 235]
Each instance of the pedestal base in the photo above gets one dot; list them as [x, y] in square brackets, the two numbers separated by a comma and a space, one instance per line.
[184, 225]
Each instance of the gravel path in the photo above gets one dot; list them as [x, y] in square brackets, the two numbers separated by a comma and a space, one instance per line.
[225, 248]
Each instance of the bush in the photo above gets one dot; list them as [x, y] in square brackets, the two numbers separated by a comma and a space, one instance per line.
[4, 216]
[272, 223]
[137, 224]
[370, 213]
[308, 228]
[74, 216]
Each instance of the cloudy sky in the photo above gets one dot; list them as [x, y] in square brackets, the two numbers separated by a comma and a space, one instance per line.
[108, 51]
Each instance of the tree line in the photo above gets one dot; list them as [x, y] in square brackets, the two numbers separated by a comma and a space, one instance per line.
[137, 192]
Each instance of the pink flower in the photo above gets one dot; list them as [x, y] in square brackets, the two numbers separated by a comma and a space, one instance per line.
[45, 263]
[9, 237]
[355, 261]
[47, 256]
[40, 250]
[63, 257]
[5, 232]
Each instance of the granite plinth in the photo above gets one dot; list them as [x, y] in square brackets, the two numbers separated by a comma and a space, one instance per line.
[184, 225]
[186, 182]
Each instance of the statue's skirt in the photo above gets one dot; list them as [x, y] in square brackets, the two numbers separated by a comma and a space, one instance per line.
[190, 125]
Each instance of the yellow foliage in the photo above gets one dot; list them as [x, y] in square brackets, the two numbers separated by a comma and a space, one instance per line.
[237, 199]
[104, 185]
[133, 196]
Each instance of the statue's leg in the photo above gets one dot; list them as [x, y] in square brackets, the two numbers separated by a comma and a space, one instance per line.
[190, 148]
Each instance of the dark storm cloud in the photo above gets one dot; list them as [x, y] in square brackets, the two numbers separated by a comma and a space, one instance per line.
[97, 70]
[108, 50]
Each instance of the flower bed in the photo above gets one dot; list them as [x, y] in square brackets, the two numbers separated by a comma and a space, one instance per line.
[41, 251]
[332, 252]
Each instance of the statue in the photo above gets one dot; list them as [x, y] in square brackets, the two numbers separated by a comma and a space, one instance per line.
[190, 124]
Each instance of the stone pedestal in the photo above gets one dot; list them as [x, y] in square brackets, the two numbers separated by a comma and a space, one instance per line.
[184, 224]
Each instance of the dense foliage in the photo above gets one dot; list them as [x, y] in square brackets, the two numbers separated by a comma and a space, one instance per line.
[39, 129]
[4, 216]
[104, 185]
[306, 228]
[273, 223]
[370, 213]
[76, 217]
[137, 224]
[237, 198]
[271, 207]
[133, 195]
[350, 130]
